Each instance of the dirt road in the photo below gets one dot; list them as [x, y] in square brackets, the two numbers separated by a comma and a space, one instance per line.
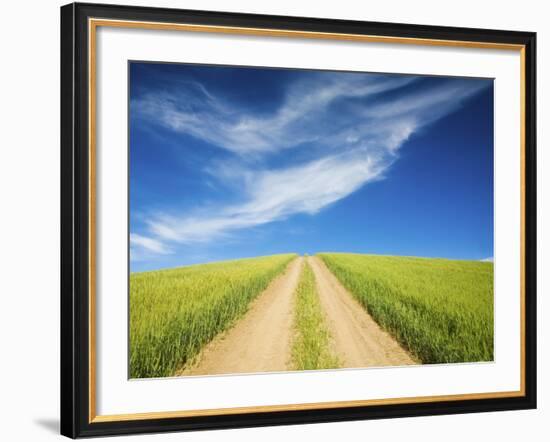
[261, 340]
[357, 339]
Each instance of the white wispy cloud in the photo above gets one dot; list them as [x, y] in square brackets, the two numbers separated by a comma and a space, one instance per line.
[430, 104]
[275, 195]
[356, 144]
[195, 111]
[142, 246]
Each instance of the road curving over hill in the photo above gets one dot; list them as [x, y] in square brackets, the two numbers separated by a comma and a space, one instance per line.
[261, 341]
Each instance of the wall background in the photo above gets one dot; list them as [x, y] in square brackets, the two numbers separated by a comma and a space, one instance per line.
[29, 219]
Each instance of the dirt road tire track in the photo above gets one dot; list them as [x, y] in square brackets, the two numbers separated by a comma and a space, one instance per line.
[358, 340]
[261, 340]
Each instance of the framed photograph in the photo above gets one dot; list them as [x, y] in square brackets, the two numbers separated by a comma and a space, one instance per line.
[275, 220]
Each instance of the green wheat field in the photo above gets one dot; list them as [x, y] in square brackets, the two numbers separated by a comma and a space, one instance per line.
[174, 313]
[439, 310]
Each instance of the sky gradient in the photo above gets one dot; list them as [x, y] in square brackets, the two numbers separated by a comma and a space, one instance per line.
[231, 162]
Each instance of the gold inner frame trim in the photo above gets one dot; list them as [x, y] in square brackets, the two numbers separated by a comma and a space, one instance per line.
[93, 24]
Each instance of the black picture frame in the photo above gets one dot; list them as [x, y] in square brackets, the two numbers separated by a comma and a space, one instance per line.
[75, 221]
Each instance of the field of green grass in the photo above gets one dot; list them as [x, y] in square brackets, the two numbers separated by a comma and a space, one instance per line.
[439, 309]
[310, 348]
[175, 312]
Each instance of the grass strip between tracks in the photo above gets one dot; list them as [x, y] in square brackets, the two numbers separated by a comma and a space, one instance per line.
[311, 345]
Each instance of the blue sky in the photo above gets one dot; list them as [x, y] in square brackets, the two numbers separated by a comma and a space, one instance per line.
[231, 162]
